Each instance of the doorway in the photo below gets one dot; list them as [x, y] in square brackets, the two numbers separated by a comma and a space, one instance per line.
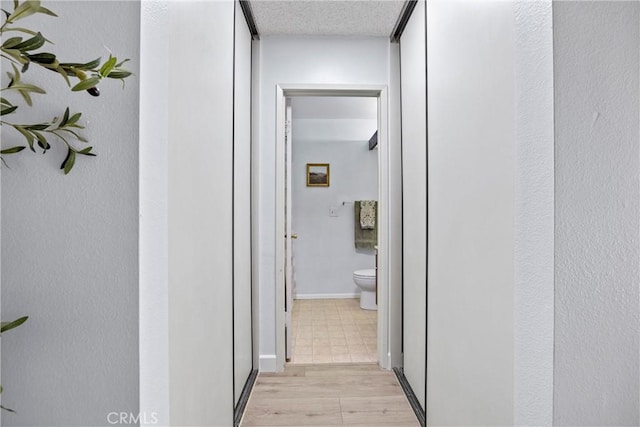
[388, 231]
[331, 202]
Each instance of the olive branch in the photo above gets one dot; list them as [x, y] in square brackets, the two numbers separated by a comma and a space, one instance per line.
[5, 326]
[19, 51]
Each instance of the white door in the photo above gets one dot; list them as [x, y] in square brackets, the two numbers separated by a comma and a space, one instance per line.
[288, 245]
[414, 212]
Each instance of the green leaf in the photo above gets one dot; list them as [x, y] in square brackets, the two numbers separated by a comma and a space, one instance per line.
[86, 67]
[24, 89]
[78, 137]
[86, 84]
[119, 74]
[27, 135]
[15, 77]
[12, 42]
[41, 126]
[27, 88]
[108, 66]
[65, 118]
[63, 73]
[53, 66]
[12, 150]
[42, 141]
[7, 107]
[27, 8]
[67, 165]
[46, 11]
[86, 152]
[43, 58]
[33, 43]
[26, 97]
[8, 110]
[5, 326]
[26, 31]
[15, 55]
[73, 119]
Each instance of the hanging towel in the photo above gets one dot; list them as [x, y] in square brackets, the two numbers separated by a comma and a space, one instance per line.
[364, 238]
[367, 214]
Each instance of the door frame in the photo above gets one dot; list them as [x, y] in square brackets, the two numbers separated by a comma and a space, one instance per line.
[386, 352]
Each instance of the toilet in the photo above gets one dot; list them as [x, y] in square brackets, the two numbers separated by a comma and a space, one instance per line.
[366, 281]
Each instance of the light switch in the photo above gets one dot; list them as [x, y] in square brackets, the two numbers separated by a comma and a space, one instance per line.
[333, 211]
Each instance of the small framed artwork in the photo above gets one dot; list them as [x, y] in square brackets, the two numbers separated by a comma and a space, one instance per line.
[318, 174]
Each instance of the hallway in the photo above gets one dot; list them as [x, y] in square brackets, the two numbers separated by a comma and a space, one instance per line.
[328, 395]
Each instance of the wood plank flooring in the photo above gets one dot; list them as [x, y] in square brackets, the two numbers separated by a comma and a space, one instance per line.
[328, 395]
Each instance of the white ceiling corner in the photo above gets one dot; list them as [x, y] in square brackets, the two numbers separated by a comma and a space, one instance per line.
[326, 17]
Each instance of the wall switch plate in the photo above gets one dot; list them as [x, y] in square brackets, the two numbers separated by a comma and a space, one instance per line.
[333, 211]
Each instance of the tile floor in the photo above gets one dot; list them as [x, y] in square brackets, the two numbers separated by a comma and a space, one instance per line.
[333, 331]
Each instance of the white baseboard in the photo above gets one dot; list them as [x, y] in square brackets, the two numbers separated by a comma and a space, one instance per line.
[267, 363]
[327, 296]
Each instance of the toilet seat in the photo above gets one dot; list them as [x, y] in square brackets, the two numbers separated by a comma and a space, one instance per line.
[370, 272]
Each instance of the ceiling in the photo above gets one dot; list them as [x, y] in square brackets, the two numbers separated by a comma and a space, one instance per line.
[326, 17]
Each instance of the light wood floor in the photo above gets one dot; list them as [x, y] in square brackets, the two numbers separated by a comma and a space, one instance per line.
[328, 395]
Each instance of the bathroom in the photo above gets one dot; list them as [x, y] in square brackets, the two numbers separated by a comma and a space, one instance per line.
[332, 134]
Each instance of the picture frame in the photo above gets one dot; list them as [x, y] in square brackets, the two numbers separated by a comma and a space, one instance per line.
[318, 174]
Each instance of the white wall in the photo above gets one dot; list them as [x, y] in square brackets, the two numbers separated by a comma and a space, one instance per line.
[534, 220]
[596, 59]
[154, 238]
[325, 256]
[69, 243]
[414, 201]
[471, 127]
[200, 213]
[299, 60]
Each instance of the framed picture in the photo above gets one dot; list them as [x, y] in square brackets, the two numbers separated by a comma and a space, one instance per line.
[317, 174]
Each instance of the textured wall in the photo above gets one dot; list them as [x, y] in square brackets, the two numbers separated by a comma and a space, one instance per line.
[70, 243]
[596, 62]
[325, 256]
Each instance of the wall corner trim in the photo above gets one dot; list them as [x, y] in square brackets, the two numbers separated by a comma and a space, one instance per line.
[267, 363]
